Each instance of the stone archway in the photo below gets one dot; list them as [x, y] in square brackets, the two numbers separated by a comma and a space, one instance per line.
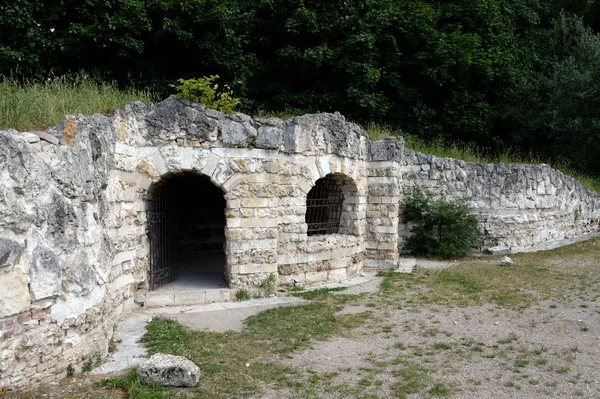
[186, 229]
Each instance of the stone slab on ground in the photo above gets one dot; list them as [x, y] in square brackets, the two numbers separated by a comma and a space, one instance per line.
[406, 265]
[129, 352]
[227, 316]
[169, 371]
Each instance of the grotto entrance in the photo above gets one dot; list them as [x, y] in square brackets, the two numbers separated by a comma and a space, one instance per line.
[186, 230]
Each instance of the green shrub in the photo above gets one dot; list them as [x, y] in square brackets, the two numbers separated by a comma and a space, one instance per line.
[206, 91]
[442, 227]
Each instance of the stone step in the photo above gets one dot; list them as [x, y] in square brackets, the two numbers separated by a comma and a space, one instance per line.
[188, 297]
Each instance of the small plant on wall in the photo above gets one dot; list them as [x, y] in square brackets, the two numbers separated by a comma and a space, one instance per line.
[441, 227]
[205, 90]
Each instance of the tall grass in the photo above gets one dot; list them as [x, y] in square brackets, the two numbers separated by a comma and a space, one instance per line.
[36, 105]
[471, 153]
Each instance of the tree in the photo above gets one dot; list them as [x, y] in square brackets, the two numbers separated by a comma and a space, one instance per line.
[557, 112]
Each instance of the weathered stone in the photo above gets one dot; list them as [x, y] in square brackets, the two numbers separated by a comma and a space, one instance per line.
[387, 150]
[343, 137]
[68, 172]
[269, 137]
[10, 252]
[15, 294]
[239, 134]
[506, 261]
[45, 273]
[211, 113]
[47, 137]
[31, 138]
[174, 117]
[60, 218]
[169, 370]
[79, 277]
[322, 133]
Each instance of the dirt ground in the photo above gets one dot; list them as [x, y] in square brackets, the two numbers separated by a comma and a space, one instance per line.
[547, 350]
[477, 352]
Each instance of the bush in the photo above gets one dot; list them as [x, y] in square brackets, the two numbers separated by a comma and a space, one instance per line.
[206, 91]
[442, 227]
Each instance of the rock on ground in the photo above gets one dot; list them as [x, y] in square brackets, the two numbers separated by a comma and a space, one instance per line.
[169, 370]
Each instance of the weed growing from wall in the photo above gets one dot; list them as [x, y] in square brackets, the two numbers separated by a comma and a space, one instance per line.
[204, 90]
[441, 227]
[269, 285]
[242, 295]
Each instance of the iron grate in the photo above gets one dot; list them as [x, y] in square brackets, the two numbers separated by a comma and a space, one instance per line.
[324, 207]
[162, 223]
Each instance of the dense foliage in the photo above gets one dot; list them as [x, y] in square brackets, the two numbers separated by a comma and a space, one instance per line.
[498, 73]
[440, 227]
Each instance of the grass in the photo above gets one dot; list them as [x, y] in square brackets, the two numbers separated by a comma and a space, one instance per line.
[135, 389]
[475, 281]
[34, 105]
[251, 362]
[319, 293]
[235, 364]
[242, 295]
[411, 378]
[471, 153]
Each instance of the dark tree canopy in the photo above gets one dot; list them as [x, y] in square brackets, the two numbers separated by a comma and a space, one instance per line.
[499, 73]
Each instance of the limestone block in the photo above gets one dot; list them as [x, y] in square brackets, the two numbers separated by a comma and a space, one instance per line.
[169, 370]
[336, 275]
[79, 277]
[14, 297]
[175, 117]
[10, 252]
[316, 277]
[387, 150]
[296, 138]
[269, 137]
[222, 173]
[45, 273]
[239, 134]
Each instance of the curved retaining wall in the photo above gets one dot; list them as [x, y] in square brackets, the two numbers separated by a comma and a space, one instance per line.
[74, 251]
[521, 207]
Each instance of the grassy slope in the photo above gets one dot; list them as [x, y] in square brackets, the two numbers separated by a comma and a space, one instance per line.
[37, 105]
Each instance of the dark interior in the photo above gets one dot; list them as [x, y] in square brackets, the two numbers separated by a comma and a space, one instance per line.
[200, 214]
[193, 236]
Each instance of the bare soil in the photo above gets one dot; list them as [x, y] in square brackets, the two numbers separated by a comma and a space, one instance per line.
[548, 348]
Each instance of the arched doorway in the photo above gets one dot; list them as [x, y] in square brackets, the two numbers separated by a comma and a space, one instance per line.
[186, 229]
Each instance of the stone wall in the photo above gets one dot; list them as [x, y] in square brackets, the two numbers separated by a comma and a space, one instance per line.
[75, 200]
[74, 249]
[60, 293]
[521, 207]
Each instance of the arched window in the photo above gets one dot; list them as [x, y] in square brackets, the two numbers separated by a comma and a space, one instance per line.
[324, 204]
